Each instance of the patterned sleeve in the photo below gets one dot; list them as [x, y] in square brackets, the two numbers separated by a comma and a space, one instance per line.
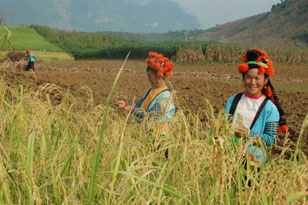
[137, 111]
[271, 126]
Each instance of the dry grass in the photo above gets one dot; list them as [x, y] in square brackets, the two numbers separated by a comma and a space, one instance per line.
[53, 56]
[47, 150]
[233, 54]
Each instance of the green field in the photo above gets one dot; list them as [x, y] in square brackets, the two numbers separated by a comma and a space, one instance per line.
[26, 38]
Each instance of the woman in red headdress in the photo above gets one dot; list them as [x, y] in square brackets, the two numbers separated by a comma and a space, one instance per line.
[157, 102]
[256, 112]
[31, 59]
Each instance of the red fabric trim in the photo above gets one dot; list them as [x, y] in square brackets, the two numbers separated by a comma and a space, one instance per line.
[252, 159]
[255, 98]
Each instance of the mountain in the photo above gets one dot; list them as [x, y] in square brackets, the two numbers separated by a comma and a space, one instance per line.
[99, 15]
[285, 25]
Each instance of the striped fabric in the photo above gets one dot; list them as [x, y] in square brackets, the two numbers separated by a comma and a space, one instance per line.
[269, 134]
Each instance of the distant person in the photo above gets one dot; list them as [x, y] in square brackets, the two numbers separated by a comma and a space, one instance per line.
[31, 59]
[256, 112]
[157, 102]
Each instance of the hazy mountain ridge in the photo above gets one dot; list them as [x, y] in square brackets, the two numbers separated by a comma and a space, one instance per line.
[286, 24]
[103, 15]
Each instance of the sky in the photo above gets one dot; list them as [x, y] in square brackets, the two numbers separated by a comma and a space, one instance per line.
[212, 12]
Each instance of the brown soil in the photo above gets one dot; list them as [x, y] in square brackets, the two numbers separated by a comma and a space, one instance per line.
[190, 82]
[16, 56]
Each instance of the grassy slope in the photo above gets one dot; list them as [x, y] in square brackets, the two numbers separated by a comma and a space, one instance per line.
[26, 38]
[286, 25]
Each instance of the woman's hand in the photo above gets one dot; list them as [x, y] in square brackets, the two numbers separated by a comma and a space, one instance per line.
[121, 104]
[241, 132]
[129, 108]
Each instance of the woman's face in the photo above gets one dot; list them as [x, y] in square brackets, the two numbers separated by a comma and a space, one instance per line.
[254, 83]
[153, 79]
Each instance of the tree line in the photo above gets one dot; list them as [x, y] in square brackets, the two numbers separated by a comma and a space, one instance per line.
[79, 40]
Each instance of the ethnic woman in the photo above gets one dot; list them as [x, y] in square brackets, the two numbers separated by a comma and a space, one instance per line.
[256, 112]
[157, 101]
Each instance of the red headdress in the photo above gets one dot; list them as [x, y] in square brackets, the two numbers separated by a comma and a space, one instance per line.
[264, 64]
[27, 52]
[257, 58]
[159, 63]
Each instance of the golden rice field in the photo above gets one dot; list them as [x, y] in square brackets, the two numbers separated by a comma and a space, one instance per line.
[61, 142]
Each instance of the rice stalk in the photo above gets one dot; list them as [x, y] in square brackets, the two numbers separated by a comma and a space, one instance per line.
[98, 150]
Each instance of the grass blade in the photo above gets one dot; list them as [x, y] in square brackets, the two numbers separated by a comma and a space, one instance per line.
[30, 152]
[264, 198]
[304, 128]
[68, 161]
[4, 187]
[213, 193]
[118, 157]
[168, 190]
[99, 145]
[296, 196]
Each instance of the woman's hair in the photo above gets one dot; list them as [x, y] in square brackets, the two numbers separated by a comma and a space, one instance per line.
[151, 69]
[159, 65]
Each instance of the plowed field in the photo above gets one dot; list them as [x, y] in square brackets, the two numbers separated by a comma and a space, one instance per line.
[190, 82]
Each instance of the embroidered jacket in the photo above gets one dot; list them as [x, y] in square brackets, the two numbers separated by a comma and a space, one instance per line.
[266, 127]
[161, 107]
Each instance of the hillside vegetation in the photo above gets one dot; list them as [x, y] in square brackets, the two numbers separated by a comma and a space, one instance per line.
[179, 35]
[75, 41]
[84, 45]
[26, 38]
[285, 25]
